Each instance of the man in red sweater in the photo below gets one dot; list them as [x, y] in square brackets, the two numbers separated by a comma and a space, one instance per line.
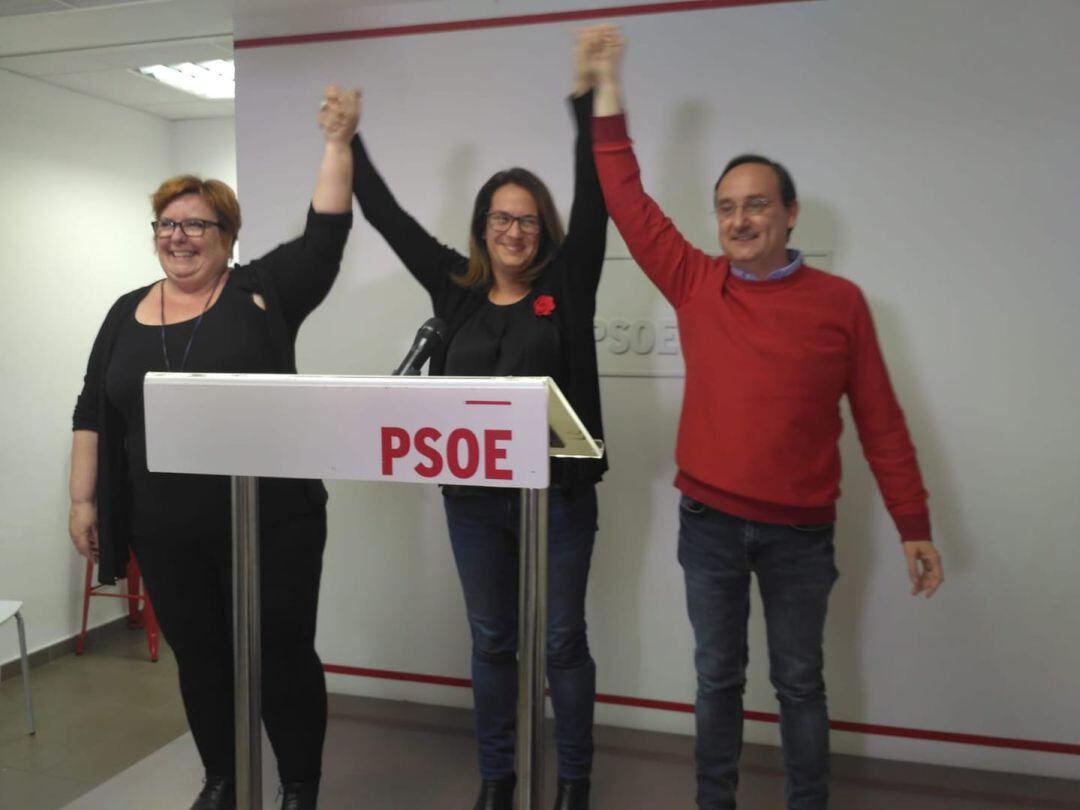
[771, 345]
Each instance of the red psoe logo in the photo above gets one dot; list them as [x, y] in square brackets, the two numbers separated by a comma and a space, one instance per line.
[462, 453]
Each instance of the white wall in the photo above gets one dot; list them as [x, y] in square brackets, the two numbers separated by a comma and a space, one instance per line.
[206, 147]
[934, 147]
[74, 222]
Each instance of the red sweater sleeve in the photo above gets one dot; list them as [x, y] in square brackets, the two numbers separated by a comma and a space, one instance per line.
[883, 431]
[672, 263]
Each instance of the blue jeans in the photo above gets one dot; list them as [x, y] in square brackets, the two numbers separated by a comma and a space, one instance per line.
[795, 570]
[484, 535]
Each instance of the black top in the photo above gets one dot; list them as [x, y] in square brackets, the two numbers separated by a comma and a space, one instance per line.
[506, 341]
[526, 345]
[235, 336]
[232, 337]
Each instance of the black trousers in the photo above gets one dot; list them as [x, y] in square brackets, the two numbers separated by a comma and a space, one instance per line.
[189, 579]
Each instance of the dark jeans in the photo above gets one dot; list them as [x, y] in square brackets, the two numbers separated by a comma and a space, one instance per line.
[795, 571]
[484, 535]
[189, 579]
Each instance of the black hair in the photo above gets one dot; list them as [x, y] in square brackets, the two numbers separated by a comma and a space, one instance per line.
[787, 185]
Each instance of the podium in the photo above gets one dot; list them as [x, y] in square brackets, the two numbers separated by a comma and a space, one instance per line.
[477, 431]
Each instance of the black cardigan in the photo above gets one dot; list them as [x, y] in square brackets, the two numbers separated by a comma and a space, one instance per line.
[293, 279]
[571, 279]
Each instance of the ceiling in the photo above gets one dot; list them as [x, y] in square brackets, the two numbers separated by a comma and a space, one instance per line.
[91, 47]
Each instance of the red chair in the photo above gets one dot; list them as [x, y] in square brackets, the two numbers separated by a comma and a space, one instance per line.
[135, 595]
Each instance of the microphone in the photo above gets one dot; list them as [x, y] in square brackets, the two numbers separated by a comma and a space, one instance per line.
[428, 340]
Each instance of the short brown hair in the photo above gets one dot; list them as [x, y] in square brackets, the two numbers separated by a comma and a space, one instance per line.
[478, 275]
[214, 193]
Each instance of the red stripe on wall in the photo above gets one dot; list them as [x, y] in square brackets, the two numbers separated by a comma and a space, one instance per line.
[631, 10]
[761, 717]
[391, 675]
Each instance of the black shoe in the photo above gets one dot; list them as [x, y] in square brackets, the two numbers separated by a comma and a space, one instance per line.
[573, 795]
[218, 793]
[496, 794]
[299, 795]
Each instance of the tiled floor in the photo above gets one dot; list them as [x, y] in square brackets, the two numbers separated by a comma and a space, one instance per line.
[112, 735]
[96, 715]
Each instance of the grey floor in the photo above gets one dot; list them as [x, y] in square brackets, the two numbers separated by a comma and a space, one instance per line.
[112, 735]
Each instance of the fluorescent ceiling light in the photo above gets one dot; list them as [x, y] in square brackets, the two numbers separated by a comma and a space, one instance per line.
[212, 79]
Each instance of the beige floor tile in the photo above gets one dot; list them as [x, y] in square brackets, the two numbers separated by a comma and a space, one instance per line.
[20, 790]
[112, 735]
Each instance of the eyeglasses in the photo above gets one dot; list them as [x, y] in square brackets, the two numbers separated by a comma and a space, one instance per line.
[502, 221]
[190, 227]
[750, 207]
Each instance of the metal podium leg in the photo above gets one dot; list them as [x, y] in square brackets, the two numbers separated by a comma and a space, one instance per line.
[532, 640]
[247, 661]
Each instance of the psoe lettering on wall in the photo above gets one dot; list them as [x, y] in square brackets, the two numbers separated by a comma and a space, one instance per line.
[464, 454]
[640, 337]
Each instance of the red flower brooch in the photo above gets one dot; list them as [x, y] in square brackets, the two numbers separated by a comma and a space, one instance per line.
[543, 306]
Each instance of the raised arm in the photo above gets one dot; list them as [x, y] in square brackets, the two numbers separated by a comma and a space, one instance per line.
[602, 46]
[674, 265]
[586, 234]
[300, 273]
[427, 259]
[338, 117]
